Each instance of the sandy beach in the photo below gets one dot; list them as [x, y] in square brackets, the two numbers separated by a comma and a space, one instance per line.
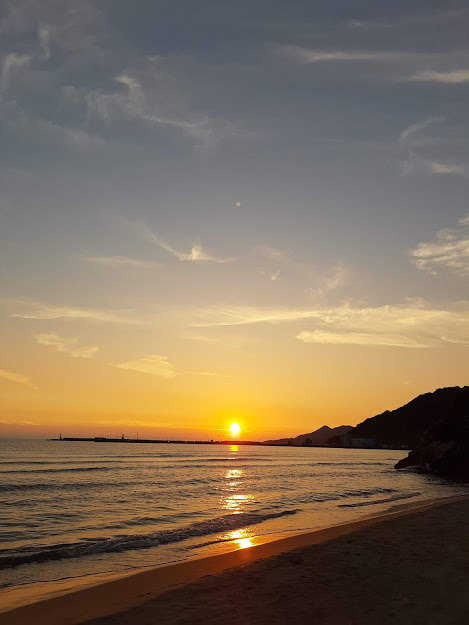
[410, 566]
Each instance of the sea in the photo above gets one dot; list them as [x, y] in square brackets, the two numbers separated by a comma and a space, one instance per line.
[73, 509]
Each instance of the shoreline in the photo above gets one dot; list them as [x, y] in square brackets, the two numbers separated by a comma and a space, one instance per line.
[118, 591]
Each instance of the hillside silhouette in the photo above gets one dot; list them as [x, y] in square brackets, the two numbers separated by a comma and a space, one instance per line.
[318, 438]
[405, 426]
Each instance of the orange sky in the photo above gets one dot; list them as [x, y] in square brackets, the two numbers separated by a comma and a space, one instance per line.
[209, 217]
[272, 390]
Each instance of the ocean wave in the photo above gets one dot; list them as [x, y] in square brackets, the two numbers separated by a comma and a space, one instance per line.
[73, 486]
[67, 470]
[339, 464]
[378, 501]
[337, 496]
[142, 541]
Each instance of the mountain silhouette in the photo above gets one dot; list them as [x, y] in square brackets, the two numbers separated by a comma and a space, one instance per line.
[405, 426]
[318, 437]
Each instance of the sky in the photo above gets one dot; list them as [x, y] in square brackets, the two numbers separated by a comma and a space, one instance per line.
[230, 211]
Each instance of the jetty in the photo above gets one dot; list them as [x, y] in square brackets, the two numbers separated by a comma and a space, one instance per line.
[103, 439]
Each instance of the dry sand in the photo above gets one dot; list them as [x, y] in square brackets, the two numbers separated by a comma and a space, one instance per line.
[410, 567]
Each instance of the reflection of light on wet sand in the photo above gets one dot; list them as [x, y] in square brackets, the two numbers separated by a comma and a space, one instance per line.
[241, 538]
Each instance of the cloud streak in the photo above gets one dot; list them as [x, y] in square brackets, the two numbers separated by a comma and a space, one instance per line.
[408, 325]
[417, 165]
[46, 312]
[357, 338]
[11, 65]
[197, 253]
[68, 346]
[448, 251]
[151, 364]
[19, 378]
[450, 78]
[401, 65]
[436, 167]
[149, 96]
[307, 56]
[121, 261]
[417, 128]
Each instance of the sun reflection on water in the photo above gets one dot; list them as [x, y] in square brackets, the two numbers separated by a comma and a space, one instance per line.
[233, 474]
[232, 499]
[235, 503]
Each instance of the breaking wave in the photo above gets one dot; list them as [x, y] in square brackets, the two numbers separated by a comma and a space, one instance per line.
[142, 541]
[378, 501]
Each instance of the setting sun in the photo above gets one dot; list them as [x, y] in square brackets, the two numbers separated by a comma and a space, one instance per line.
[234, 428]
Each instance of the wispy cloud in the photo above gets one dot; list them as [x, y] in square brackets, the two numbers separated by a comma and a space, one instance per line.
[433, 146]
[197, 253]
[306, 55]
[414, 164]
[121, 261]
[447, 168]
[151, 364]
[244, 315]
[417, 128]
[46, 312]
[274, 257]
[11, 64]
[147, 94]
[19, 378]
[415, 324]
[132, 103]
[278, 264]
[161, 367]
[357, 338]
[400, 65]
[273, 276]
[449, 250]
[68, 346]
[453, 77]
[43, 34]
[424, 18]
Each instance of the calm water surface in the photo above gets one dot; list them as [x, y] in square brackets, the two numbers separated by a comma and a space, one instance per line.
[70, 509]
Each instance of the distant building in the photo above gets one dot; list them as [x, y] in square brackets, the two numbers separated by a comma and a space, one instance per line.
[358, 443]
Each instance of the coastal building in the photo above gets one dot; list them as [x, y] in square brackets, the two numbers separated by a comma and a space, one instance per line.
[358, 443]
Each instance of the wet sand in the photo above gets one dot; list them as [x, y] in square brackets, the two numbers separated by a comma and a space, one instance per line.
[409, 566]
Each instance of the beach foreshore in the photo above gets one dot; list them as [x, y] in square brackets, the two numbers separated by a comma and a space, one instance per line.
[410, 565]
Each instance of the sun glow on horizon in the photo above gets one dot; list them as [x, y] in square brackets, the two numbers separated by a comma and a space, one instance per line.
[235, 429]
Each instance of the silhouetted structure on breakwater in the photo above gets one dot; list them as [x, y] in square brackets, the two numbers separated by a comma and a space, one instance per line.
[103, 439]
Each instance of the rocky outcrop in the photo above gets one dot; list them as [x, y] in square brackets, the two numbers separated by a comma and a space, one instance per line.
[443, 450]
